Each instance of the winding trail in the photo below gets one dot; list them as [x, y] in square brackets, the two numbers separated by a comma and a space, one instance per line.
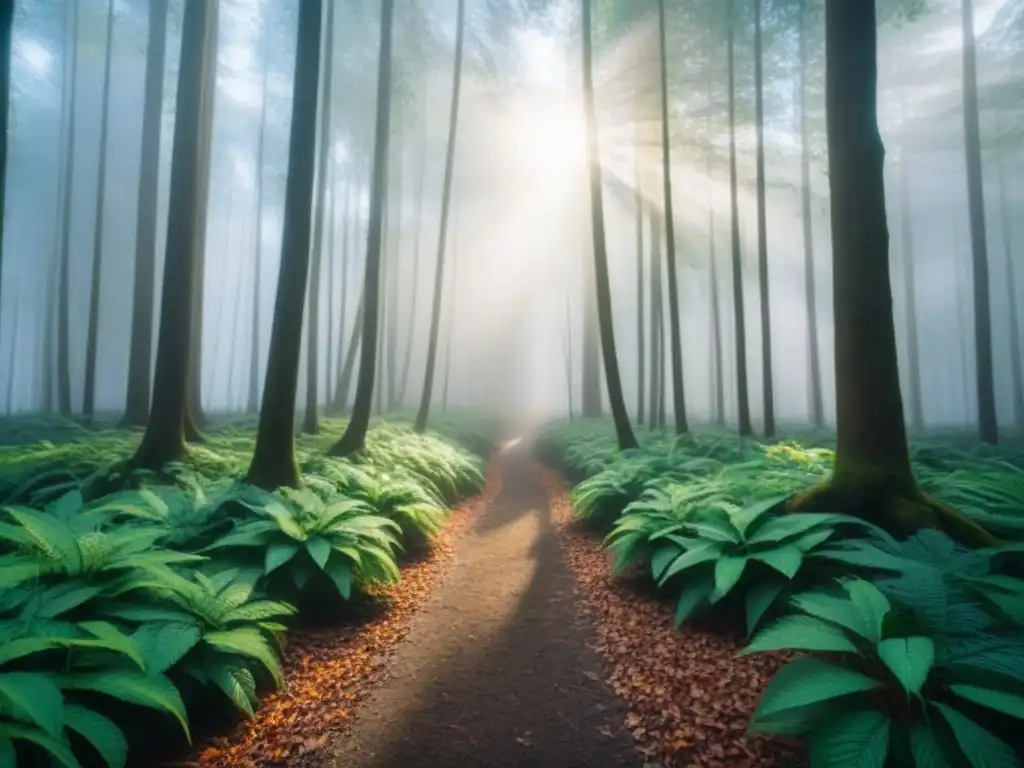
[496, 669]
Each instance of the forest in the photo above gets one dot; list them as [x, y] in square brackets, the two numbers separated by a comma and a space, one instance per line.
[542, 383]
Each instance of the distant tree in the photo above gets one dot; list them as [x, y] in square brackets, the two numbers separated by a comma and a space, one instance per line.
[140, 358]
[6, 28]
[616, 400]
[872, 476]
[1013, 309]
[164, 439]
[446, 194]
[273, 460]
[252, 402]
[768, 392]
[910, 290]
[355, 434]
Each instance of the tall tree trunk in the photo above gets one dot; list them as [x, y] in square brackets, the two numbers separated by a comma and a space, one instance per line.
[12, 359]
[273, 459]
[355, 434]
[988, 425]
[164, 439]
[339, 400]
[640, 290]
[395, 263]
[810, 288]
[332, 315]
[252, 405]
[421, 168]
[872, 475]
[768, 392]
[716, 330]
[64, 302]
[740, 333]
[910, 292]
[675, 334]
[616, 400]
[1013, 309]
[6, 30]
[591, 364]
[140, 360]
[354, 343]
[657, 324]
[311, 422]
[446, 194]
[382, 330]
[452, 305]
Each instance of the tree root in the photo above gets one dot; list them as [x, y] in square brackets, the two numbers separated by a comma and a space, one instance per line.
[898, 508]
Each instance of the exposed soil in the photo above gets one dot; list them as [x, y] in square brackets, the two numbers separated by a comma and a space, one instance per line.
[689, 696]
[496, 670]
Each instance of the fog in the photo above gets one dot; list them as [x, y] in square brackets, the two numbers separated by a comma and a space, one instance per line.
[519, 227]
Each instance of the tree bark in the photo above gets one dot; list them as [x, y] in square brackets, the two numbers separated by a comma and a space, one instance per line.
[311, 422]
[355, 434]
[768, 392]
[273, 459]
[616, 400]
[1013, 308]
[164, 439]
[640, 290]
[810, 287]
[657, 323]
[64, 302]
[140, 360]
[449, 162]
[988, 425]
[675, 333]
[740, 341]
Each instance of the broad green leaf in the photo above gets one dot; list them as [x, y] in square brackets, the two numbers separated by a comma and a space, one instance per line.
[285, 519]
[981, 748]
[800, 633]
[17, 570]
[153, 691]
[340, 573]
[786, 559]
[692, 598]
[1010, 704]
[910, 659]
[807, 680]
[26, 646]
[99, 731]
[50, 535]
[838, 610]
[760, 598]
[872, 607]
[925, 748]
[279, 553]
[165, 644]
[110, 637]
[56, 748]
[728, 572]
[662, 558]
[249, 643]
[8, 757]
[693, 557]
[790, 526]
[859, 740]
[57, 601]
[34, 698]
[238, 684]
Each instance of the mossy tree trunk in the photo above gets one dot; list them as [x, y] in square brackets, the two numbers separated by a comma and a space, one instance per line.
[768, 392]
[93, 323]
[140, 358]
[273, 460]
[68, 175]
[355, 434]
[675, 333]
[987, 422]
[616, 400]
[872, 476]
[446, 194]
[311, 422]
[164, 439]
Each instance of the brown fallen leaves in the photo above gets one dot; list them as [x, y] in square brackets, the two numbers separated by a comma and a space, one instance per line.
[689, 696]
[328, 671]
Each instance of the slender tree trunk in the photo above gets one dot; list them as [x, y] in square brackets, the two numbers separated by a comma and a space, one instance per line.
[355, 434]
[6, 29]
[740, 334]
[810, 288]
[383, 300]
[675, 334]
[273, 459]
[332, 315]
[344, 372]
[988, 425]
[311, 423]
[140, 360]
[716, 331]
[1013, 310]
[616, 400]
[13, 358]
[257, 287]
[591, 363]
[421, 168]
[164, 439]
[910, 293]
[395, 262]
[657, 325]
[64, 302]
[452, 305]
[768, 392]
[354, 342]
[449, 162]
[235, 344]
[640, 290]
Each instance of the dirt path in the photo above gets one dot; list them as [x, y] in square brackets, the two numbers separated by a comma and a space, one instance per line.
[496, 669]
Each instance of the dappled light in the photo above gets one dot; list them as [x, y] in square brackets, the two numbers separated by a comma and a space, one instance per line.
[511, 383]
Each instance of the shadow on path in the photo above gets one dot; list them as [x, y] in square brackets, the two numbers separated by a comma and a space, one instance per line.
[496, 670]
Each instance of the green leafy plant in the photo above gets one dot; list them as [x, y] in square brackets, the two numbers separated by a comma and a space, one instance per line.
[888, 690]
